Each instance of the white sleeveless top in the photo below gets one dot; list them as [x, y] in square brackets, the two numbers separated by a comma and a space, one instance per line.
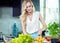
[34, 24]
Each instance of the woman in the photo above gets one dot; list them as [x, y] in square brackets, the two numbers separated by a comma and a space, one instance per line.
[30, 19]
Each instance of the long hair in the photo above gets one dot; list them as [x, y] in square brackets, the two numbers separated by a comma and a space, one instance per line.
[24, 12]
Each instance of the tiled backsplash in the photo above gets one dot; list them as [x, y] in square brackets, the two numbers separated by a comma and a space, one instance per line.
[7, 20]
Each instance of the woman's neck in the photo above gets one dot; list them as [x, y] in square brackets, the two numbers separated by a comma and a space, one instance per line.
[30, 16]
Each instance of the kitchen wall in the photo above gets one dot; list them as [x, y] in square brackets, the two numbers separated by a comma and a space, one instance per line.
[36, 4]
[7, 20]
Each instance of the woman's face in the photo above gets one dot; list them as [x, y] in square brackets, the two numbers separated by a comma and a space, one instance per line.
[29, 7]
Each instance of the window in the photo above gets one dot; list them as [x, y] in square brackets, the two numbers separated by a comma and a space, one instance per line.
[50, 11]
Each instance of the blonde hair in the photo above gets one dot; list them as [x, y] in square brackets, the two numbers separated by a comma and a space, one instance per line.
[24, 12]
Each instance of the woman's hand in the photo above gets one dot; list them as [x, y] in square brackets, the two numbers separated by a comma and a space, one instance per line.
[39, 32]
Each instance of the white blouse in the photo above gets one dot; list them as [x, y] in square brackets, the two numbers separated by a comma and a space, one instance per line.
[34, 24]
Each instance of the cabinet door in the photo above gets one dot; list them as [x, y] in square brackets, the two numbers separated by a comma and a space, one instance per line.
[17, 8]
[16, 11]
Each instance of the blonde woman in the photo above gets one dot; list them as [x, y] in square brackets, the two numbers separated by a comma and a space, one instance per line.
[30, 19]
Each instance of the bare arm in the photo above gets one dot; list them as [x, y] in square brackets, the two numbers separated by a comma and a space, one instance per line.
[23, 25]
[43, 23]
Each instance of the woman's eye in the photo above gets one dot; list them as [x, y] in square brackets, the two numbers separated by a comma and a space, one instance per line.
[28, 6]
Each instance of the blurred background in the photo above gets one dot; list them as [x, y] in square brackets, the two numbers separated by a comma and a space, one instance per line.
[10, 10]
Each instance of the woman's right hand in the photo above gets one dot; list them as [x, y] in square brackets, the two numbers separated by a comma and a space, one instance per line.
[39, 32]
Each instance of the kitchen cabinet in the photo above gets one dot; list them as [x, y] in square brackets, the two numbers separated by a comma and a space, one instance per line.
[15, 4]
[17, 8]
[16, 11]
